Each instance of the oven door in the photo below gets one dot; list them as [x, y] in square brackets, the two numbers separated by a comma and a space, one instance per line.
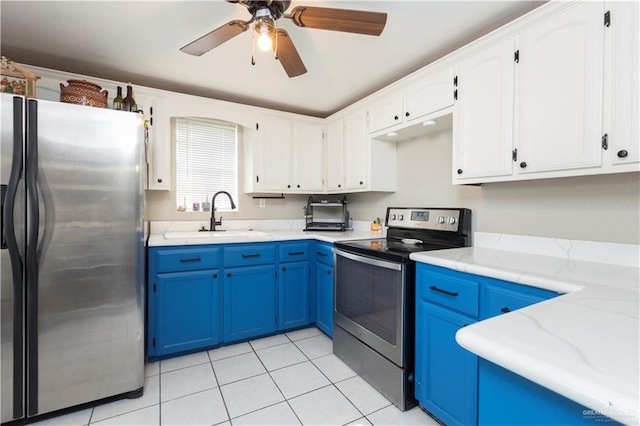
[369, 301]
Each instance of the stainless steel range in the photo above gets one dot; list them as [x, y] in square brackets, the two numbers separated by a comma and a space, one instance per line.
[375, 295]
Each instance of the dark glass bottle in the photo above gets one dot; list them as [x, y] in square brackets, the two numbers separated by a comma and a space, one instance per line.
[118, 101]
[129, 102]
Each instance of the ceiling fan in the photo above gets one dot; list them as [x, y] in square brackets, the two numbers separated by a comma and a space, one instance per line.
[264, 15]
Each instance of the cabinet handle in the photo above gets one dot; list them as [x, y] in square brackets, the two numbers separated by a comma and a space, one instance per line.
[159, 180]
[248, 256]
[295, 253]
[288, 186]
[459, 171]
[298, 186]
[284, 268]
[523, 164]
[396, 117]
[215, 275]
[406, 114]
[448, 293]
[319, 253]
[190, 259]
[622, 153]
[328, 272]
[339, 186]
[229, 274]
[504, 310]
[361, 182]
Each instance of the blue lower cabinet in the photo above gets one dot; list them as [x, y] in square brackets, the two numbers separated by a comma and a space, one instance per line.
[324, 293]
[250, 301]
[446, 374]
[293, 295]
[506, 398]
[187, 311]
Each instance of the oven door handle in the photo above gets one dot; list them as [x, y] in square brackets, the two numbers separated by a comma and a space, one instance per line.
[368, 260]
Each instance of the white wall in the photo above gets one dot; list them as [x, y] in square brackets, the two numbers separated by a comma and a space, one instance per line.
[598, 208]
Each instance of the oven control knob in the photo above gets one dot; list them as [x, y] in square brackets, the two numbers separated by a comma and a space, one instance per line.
[440, 219]
[393, 217]
[452, 220]
[400, 217]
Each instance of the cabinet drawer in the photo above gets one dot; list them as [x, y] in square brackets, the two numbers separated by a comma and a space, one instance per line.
[324, 253]
[453, 292]
[293, 252]
[247, 255]
[500, 299]
[192, 259]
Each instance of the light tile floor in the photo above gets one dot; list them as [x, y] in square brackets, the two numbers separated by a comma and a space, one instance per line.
[288, 379]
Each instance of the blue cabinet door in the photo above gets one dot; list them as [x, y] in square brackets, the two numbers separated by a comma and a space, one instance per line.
[446, 374]
[324, 308]
[250, 300]
[187, 311]
[293, 295]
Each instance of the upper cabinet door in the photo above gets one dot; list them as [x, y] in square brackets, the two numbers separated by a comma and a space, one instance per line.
[335, 156]
[275, 135]
[483, 114]
[385, 112]
[625, 138]
[307, 138]
[559, 107]
[430, 94]
[356, 150]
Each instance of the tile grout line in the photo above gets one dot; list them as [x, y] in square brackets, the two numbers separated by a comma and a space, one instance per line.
[219, 389]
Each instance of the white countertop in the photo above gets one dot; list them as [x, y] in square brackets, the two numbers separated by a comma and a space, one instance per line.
[158, 239]
[583, 345]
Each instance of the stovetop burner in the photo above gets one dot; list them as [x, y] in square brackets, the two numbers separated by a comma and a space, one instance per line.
[413, 230]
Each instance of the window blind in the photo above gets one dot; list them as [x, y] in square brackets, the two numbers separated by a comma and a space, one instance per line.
[206, 162]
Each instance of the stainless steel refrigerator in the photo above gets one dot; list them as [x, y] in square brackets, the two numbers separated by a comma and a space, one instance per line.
[72, 266]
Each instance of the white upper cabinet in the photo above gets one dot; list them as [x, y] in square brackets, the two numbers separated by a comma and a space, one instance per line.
[483, 114]
[157, 143]
[559, 98]
[428, 94]
[307, 157]
[273, 154]
[288, 156]
[335, 157]
[355, 150]
[424, 95]
[624, 139]
[385, 112]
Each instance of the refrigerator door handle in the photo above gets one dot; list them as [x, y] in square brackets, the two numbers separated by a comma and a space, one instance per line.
[33, 223]
[17, 262]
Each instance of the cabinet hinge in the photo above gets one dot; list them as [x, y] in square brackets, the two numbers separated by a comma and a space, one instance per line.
[607, 18]
[150, 116]
[153, 342]
[257, 179]
[154, 287]
[514, 154]
[257, 126]
[455, 81]
[516, 56]
[605, 141]
[276, 319]
[455, 95]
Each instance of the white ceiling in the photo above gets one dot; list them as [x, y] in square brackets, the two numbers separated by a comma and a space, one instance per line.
[140, 42]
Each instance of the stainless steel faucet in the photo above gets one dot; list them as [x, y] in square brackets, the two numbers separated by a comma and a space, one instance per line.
[212, 226]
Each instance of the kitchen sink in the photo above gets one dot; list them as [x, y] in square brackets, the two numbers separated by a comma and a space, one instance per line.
[189, 235]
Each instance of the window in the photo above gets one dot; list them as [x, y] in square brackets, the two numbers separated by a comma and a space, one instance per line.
[206, 162]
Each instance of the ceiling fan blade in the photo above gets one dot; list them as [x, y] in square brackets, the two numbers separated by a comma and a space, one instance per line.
[350, 21]
[215, 38]
[288, 55]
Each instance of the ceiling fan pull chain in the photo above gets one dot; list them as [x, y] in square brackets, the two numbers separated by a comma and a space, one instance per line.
[275, 35]
[253, 45]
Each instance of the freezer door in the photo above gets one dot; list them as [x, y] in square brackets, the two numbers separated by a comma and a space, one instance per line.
[11, 255]
[89, 325]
